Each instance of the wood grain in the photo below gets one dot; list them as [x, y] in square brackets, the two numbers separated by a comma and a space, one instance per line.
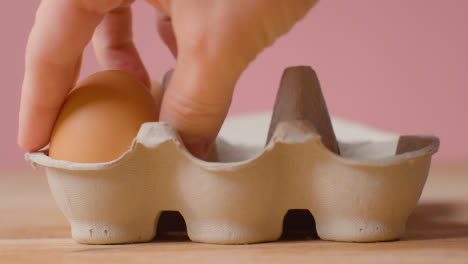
[32, 230]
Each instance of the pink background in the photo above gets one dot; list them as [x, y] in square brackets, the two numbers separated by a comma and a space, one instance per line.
[397, 65]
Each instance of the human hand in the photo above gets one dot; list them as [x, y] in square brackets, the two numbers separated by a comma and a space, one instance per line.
[214, 41]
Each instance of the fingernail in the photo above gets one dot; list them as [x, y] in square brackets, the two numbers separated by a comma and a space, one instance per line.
[197, 146]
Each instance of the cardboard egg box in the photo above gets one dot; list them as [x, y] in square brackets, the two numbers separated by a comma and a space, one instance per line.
[361, 191]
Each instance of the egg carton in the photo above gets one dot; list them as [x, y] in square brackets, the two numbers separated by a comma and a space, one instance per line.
[359, 191]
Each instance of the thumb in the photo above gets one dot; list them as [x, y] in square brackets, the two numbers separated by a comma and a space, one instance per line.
[197, 100]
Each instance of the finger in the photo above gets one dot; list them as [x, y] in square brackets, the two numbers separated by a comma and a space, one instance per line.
[162, 5]
[114, 46]
[166, 31]
[197, 101]
[53, 54]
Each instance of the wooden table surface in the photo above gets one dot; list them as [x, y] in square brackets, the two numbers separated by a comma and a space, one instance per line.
[33, 230]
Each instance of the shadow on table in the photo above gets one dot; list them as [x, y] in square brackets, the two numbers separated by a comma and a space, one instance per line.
[428, 221]
[437, 220]
[297, 225]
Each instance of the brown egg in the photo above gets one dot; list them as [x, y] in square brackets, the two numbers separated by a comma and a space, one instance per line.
[101, 117]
